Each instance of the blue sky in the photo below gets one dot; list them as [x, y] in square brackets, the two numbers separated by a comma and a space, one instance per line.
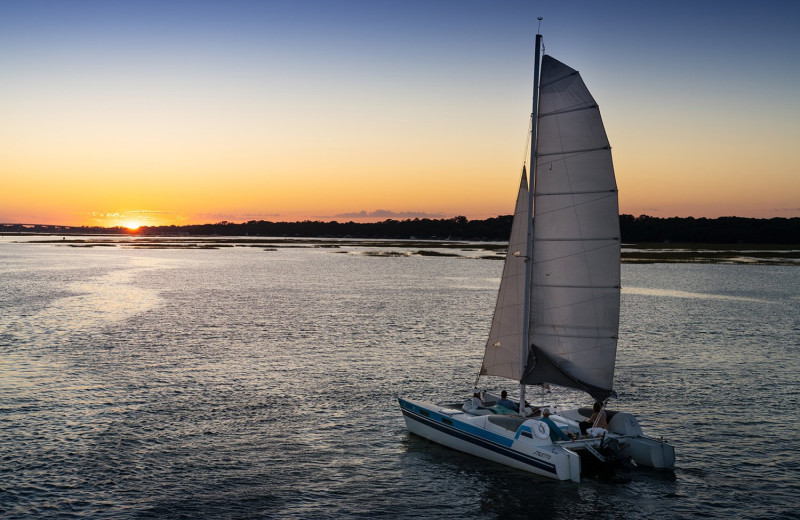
[407, 107]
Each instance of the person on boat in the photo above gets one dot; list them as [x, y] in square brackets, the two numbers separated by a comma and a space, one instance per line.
[476, 399]
[597, 420]
[555, 431]
[505, 402]
[475, 405]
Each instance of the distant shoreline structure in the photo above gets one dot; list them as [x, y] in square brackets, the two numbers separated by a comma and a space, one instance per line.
[641, 229]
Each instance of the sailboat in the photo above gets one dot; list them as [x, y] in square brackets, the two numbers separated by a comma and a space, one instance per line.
[556, 319]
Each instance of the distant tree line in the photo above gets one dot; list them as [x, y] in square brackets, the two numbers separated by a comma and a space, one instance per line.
[456, 228]
[723, 230]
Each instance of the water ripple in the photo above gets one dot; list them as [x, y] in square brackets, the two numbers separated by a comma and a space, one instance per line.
[241, 383]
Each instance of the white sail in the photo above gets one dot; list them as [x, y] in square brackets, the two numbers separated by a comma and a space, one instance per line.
[575, 281]
[504, 347]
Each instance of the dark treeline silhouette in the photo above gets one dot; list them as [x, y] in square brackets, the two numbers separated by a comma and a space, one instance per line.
[456, 228]
[724, 230]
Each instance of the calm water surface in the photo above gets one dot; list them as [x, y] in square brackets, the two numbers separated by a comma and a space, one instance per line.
[250, 383]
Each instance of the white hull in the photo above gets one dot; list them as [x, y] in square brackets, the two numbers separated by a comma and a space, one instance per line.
[479, 436]
[524, 444]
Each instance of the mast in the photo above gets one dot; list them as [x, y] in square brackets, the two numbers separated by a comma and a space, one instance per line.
[529, 241]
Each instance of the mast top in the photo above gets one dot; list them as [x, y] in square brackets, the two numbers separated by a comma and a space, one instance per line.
[539, 29]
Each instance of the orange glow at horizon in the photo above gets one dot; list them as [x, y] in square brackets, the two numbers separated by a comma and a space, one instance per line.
[283, 120]
[111, 173]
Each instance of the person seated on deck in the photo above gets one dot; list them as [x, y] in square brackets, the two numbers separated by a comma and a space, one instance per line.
[597, 420]
[475, 405]
[506, 403]
[555, 431]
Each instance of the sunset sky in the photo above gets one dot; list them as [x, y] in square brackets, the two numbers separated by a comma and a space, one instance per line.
[145, 112]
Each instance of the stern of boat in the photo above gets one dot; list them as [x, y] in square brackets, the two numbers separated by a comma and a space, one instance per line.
[626, 430]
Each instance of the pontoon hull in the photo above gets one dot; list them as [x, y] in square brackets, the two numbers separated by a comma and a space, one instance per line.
[644, 451]
[651, 453]
[526, 445]
[477, 436]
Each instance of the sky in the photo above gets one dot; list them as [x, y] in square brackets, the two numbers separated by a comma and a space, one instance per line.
[139, 112]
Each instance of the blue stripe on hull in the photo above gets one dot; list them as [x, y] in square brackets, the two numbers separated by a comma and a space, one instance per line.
[482, 443]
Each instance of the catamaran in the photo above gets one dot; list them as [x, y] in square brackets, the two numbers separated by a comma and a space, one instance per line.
[556, 319]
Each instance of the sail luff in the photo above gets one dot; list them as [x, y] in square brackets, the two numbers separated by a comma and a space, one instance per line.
[525, 333]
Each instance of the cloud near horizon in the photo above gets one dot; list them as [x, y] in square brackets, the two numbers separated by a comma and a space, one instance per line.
[235, 217]
[140, 216]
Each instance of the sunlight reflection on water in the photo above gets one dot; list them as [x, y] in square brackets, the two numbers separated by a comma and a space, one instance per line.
[93, 302]
[241, 382]
[669, 293]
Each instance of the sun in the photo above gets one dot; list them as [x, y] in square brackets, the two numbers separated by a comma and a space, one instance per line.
[132, 226]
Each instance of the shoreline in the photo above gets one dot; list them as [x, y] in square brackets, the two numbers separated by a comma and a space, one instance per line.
[633, 253]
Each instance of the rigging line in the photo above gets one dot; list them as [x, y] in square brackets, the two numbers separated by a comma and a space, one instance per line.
[578, 239]
[589, 298]
[573, 73]
[576, 204]
[575, 106]
[574, 286]
[581, 252]
[593, 348]
[568, 110]
[560, 159]
[608, 147]
[527, 142]
[585, 301]
[579, 336]
[594, 328]
[577, 192]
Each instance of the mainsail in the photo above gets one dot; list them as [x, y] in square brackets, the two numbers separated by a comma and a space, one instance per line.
[575, 277]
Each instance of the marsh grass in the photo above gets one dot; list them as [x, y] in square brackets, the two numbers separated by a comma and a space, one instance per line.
[761, 254]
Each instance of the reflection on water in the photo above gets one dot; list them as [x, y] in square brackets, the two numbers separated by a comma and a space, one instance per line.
[103, 294]
[668, 293]
[239, 382]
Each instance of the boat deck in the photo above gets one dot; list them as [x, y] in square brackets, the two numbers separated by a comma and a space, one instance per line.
[509, 422]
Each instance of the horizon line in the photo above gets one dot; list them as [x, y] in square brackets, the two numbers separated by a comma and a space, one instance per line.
[330, 221]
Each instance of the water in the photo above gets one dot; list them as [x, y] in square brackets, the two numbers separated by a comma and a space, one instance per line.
[243, 382]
